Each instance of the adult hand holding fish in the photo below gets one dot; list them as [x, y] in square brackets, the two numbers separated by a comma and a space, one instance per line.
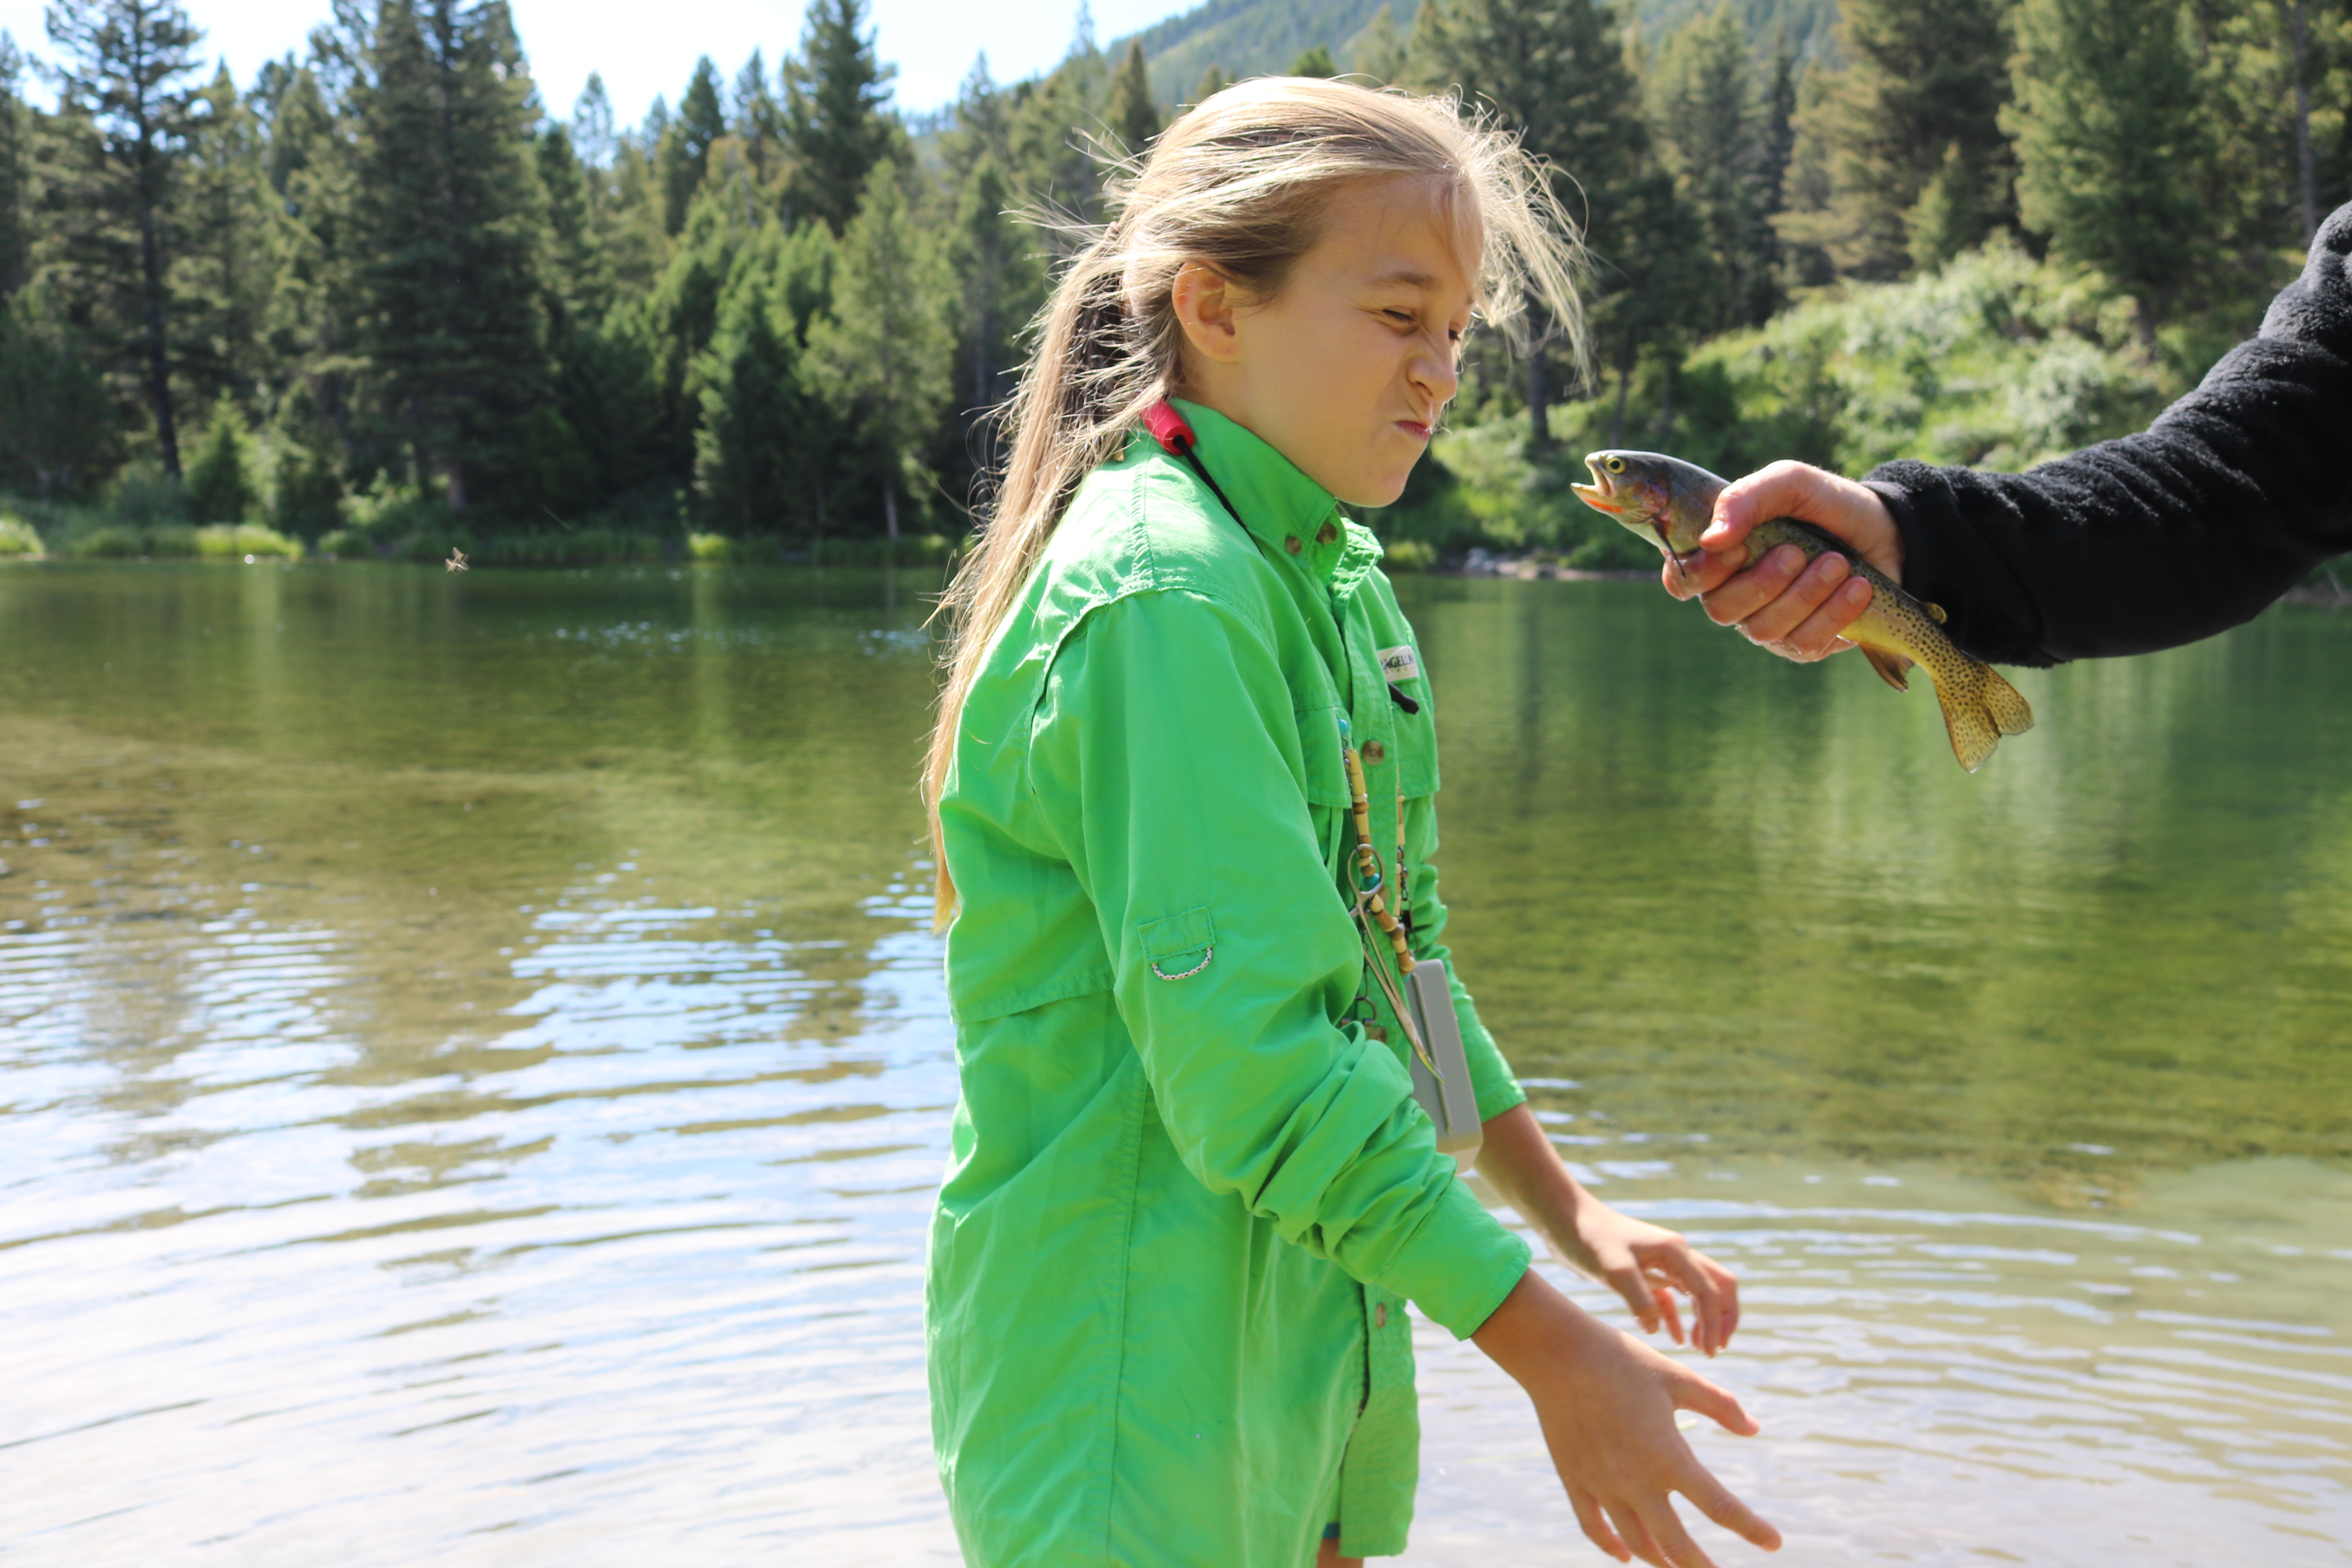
[1796, 608]
[1673, 504]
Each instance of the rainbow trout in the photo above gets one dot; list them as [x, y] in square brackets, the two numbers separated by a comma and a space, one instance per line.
[1669, 501]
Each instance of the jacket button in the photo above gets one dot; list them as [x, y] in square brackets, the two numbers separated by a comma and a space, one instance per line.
[1380, 1316]
[1327, 534]
[1292, 544]
[1373, 754]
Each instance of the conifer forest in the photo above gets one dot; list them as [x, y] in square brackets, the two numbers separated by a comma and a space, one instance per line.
[384, 298]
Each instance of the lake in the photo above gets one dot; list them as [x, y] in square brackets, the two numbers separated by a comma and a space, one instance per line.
[473, 1067]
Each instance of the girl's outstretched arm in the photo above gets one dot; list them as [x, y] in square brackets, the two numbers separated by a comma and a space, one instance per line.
[1644, 1263]
[1607, 1404]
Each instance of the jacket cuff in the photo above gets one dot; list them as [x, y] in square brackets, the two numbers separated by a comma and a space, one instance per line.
[1459, 1265]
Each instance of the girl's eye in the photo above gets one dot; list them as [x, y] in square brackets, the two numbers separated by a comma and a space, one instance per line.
[1403, 316]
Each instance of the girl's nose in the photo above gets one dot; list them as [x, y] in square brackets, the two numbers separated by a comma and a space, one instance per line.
[1434, 374]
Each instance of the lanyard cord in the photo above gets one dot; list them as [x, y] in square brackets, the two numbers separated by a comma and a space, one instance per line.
[1370, 910]
[1175, 436]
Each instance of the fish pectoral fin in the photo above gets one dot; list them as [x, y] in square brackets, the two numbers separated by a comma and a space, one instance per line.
[1890, 666]
[1937, 611]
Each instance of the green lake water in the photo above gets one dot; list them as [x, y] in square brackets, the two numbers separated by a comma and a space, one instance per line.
[474, 1066]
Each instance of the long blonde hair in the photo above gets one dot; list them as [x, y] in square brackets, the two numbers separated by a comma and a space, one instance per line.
[1240, 184]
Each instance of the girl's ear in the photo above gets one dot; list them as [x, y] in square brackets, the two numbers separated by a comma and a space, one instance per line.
[1204, 302]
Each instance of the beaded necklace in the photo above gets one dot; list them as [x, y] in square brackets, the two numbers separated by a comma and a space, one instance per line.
[1370, 910]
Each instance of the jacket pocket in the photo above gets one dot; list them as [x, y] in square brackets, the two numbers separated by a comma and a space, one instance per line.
[1178, 946]
[1319, 753]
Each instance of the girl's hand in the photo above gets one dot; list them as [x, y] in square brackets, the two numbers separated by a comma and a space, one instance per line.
[1647, 1263]
[1607, 1404]
[1644, 1263]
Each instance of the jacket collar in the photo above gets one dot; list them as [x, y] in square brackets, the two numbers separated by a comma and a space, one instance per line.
[1278, 503]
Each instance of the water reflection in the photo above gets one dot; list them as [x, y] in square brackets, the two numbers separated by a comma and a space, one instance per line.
[473, 1067]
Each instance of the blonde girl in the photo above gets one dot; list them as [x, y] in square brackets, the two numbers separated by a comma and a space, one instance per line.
[1190, 1191]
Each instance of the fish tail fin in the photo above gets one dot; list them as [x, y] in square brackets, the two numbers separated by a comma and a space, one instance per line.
[2009, 710]
[1980, 708]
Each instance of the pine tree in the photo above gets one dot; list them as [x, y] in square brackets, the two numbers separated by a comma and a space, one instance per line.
[884, 348]
[684, 152]
[1779, 137]
[306, 488]
[1214, 80]
[450, 226]
[758, 121]
[16, 171]
[220, 478]
[763, 435]
[581, 286]
[1050, 165]
[1554, 71]
[1002, 285]
[1133, 117]
[593, 137]
[1315, 60]
[309, 324]
[1922, 77]
[2111, 142]
[675, 320]
[124, 73]
[59, 436]
[836, 115]
[1707, 122]
[1381, 50]
[222, 275]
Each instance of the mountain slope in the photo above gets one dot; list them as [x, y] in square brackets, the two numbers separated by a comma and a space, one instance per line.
[1253, 37]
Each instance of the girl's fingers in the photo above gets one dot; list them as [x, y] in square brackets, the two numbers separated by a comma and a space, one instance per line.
[1726, 1286]
[1626, 1279]
[1691, 1391]
[1713, 1499]
[1636, 1535]
[1674, 1544]
[1668, 1309]
[1689, 1271]
[1596, 1527]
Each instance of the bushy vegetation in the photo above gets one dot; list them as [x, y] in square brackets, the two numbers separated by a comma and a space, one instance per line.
[17, 538]
[765, 322]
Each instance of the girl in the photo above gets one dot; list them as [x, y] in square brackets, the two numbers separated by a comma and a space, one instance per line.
[1190, 1191]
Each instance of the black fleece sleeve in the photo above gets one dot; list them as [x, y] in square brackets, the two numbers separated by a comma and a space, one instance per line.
[2187, 529]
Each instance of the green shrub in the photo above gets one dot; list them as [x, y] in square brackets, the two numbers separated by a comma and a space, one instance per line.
[17, 538]
[709, 547]
[246, 539]
[342, 542]
[220, 487]
[143, 494]
[1997, 362]
[1410, 556]
[914, 549]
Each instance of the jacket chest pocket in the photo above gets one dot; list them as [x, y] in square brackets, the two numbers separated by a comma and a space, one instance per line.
[1318, 750]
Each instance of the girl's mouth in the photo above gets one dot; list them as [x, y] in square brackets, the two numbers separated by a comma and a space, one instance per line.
[1419, 432]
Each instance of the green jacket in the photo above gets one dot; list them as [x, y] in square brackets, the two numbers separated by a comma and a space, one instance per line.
[1184, 1206]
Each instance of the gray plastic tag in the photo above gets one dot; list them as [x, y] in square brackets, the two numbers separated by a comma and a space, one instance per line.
[1450, 1101]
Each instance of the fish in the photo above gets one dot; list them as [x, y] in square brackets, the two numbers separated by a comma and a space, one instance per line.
[1669, 502]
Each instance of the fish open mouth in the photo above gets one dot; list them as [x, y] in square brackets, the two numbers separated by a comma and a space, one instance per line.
[1600, 495]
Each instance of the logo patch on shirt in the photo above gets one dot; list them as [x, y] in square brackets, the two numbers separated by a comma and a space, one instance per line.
[1399, 664]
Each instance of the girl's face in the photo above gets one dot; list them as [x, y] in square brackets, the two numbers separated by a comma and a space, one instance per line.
[1348, 368]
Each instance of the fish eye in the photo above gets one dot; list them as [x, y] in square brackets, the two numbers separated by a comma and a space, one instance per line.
[1614, 464]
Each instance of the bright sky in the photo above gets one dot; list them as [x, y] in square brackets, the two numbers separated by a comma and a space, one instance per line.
[644, 51]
